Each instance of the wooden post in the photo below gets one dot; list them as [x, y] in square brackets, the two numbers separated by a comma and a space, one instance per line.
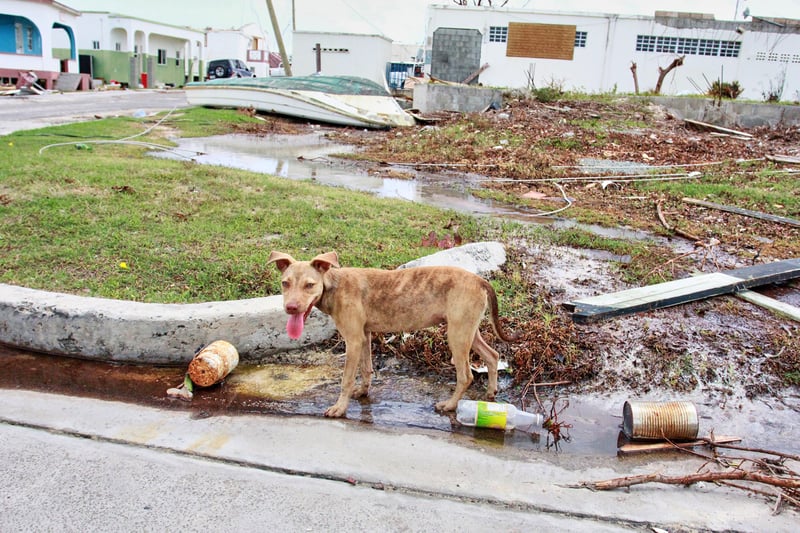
[287, 67]
[318, 53]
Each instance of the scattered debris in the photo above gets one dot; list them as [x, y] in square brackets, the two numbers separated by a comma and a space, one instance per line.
[682, 233]
[184, 391]
[776, 306]
[432, 240]
[786, 159]
[660, 420]
[555, 427]
[476, 73]
[752, 470]
[681, 291]
[744, 212]
[646, 447]
[704, 126]
[209, 366]
[502, 366]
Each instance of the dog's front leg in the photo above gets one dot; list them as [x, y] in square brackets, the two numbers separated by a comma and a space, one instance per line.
[353, 353]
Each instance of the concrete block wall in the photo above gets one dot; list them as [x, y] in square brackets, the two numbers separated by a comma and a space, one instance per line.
[432, 97]
[731, 114]
[456, 54]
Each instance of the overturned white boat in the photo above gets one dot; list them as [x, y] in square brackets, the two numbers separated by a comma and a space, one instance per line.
[344, 100]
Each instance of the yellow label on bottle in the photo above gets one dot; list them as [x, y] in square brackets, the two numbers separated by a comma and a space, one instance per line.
[491, 415]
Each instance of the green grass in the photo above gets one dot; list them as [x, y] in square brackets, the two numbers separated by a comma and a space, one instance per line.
[109, 221]
[763, 190]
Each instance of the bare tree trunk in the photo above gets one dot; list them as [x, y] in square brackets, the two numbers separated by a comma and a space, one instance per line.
[635, 78]
[662, 72]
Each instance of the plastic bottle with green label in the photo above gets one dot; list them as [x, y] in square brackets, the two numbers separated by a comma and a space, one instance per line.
[497, 416]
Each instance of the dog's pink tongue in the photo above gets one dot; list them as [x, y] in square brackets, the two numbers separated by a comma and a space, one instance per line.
[295, 326]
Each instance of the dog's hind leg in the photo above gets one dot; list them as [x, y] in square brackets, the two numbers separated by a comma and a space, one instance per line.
[366, 369]
[459, 337]
[490, 357]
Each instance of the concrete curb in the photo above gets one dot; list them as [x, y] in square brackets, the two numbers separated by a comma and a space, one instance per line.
[170, 334]
[133, 332]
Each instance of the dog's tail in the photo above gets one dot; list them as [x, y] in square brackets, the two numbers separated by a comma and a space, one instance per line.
[495, 315]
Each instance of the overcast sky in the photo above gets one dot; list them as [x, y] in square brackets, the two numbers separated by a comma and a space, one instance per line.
[401, 20]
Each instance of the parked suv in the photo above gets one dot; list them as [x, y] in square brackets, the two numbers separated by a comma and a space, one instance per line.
[228, 68]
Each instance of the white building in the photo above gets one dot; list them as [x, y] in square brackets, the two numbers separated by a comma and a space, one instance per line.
[593, 52]
[341, 54]
[247, 43]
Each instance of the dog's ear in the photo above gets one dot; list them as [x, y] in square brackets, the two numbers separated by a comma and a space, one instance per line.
[324, 262]
[281, 260]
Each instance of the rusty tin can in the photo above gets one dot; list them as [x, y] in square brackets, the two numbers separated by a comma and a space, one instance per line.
[213, 363]
[660, 420]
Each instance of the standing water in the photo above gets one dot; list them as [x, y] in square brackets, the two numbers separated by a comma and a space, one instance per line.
[309, 157]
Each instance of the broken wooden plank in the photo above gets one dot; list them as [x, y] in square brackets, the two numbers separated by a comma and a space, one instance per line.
[704, 126]
[776, 306]
[745, 212]
[633, 447]
[786, 159]
[476, 73]
[681, 291]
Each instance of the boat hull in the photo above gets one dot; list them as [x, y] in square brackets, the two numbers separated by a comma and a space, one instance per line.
[358, 110]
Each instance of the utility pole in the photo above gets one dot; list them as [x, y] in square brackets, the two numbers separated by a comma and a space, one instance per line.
[278, 37]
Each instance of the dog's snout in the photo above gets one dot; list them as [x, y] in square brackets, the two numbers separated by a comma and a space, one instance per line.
[292, 308]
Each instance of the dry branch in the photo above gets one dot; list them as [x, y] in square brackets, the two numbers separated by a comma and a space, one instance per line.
[681, 233]
[741, 475]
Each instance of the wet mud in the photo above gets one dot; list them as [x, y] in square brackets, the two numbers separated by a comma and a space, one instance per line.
[308, 385]
[303, 388]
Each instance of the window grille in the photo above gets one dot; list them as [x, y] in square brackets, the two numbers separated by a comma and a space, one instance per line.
[498, 34]
[701, 47]
[666, 45]
[645, 43]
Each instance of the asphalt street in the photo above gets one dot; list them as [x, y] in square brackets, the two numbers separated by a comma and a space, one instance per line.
[52, 108]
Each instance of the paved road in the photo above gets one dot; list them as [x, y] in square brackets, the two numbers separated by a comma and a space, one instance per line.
[37, 111]
[78, 464]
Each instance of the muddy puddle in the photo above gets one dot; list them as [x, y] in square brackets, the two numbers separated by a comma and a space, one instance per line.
[591, 423]
[396, 401]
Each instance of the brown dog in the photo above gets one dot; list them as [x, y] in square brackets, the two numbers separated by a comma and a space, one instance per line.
[366, 300]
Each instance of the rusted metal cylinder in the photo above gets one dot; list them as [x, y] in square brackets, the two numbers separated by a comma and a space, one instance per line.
[660, 420]
[213, 363]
